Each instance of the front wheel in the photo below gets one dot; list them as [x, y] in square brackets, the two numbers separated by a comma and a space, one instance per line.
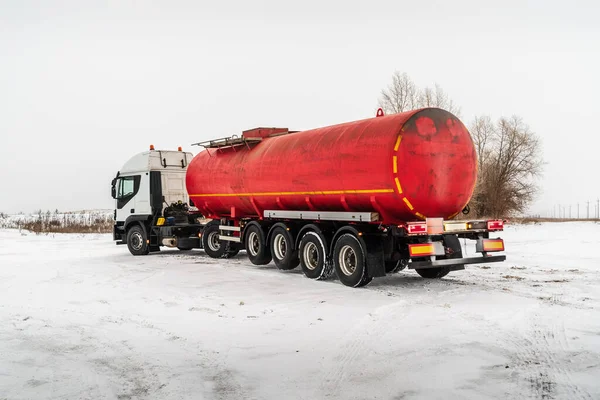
[137, 242]
[349, 260]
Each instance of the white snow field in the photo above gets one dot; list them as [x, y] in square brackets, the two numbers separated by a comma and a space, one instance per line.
[81, 318]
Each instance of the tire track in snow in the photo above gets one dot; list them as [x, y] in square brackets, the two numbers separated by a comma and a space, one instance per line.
[536, 361]
[354, 346]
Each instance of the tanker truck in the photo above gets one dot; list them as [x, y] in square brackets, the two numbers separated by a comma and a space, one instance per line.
[356, 200]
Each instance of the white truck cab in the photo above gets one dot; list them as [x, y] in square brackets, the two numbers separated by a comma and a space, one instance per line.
[147, 185]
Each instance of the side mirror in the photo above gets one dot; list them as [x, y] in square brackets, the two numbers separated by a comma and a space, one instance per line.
[113, 189]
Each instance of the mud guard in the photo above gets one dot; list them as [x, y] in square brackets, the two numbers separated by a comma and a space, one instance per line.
[375, 256]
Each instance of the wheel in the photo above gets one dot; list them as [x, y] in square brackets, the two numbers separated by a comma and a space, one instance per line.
[256, 248]
[234, 249]
[453, 244]
[137, 242]
[433, 273]
[394, 266]
[312, 257]
[213, 246]
[281, 247]
[349, 260]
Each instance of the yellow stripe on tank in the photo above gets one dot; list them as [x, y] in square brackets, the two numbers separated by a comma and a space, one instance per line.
[313, 193]
[408, 204]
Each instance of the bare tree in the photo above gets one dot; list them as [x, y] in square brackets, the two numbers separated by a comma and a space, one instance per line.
[509, 162]
[401, 95]
[437, 97]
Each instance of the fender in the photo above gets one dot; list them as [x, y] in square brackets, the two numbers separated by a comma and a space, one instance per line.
[315, 229]
[133, 219]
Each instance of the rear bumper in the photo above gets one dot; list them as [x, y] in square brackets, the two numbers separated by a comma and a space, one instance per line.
[455, 262]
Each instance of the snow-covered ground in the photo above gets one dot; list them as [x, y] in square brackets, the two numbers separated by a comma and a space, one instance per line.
[80, 318]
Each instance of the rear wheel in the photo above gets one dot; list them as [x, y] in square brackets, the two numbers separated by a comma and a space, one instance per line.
[213, 246]
[394, 266]
[453, 250]
[256, 248]
[137, 241]
[312, 257]
[281, 246]
[433, 273]
[349, 260]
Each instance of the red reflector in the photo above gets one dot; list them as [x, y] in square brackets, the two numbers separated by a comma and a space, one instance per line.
[416, 227]
[493, 245]
[421, 250]
[496, 225]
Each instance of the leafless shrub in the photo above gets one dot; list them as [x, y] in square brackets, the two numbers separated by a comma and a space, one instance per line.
[40, 222]
[509, 161]
[404, 95]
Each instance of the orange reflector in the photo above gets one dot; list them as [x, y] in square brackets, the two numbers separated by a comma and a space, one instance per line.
[179, 148]
[151, 147]
[421, 249]
[493, 245]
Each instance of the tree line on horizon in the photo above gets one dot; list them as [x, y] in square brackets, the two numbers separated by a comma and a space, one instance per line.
[509, 155]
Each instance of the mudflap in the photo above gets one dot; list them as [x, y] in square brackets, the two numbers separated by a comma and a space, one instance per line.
[375, 256]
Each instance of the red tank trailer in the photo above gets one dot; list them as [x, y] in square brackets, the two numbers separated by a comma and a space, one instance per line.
[406, 166]
[360, 200]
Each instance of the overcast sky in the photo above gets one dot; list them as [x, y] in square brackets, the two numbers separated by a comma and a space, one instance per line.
[84, 85]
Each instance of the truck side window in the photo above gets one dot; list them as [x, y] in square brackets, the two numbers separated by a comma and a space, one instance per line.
[125, 187]
[128, 186]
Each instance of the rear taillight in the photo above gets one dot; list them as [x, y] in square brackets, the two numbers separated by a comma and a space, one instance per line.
[415, 228]
[495, 225]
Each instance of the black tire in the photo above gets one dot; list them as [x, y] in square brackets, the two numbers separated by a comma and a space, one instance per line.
[395, 266]
[184, 248]
[137, 241]
[281, 246]
[233, 251]
[451, 242]
[433, 273]
[256, 247]
[349, 260]
[214, 247]
[312, 257]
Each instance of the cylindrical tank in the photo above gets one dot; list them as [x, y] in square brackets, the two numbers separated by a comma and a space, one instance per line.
[405, 166]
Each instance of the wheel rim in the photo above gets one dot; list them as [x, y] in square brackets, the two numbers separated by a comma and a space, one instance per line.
[311, 256]
[253, 243]
[137, 241]
[213, 241]
[279, 246]
[347, 260]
